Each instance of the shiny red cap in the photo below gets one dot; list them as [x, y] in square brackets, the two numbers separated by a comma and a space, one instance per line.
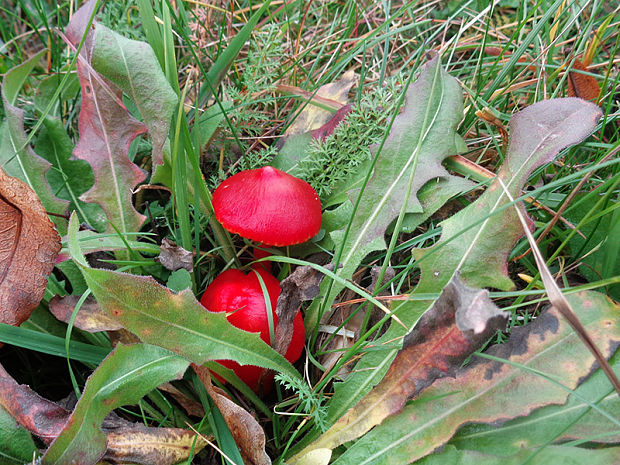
[269, 206]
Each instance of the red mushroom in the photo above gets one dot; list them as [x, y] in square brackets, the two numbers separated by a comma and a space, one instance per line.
[268, 206]
[241, 297]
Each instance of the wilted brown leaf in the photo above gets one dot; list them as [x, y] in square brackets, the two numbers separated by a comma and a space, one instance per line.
[300, 286]
[174, 257]
[582, 85]
[89, 318]
[139, 444]
[248, 434]
[460, 320]
[29, 245]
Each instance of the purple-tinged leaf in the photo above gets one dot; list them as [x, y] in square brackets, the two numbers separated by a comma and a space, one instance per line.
[106, 131]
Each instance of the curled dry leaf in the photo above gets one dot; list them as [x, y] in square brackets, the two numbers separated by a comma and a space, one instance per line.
[300, 286]
[89, 318]
[458, 323]
[248, 434]
[29, 245]
[174, 257]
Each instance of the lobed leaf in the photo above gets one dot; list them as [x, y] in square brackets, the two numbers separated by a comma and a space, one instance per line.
[459, 322]
[574, 420]
[422, 135]
[68, 177]
[133, 67]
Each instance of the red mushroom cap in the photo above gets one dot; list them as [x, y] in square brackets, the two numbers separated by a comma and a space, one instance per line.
[241, 297]
[269, 206]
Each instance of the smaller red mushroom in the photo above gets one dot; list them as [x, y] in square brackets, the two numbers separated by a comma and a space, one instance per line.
[241, 297]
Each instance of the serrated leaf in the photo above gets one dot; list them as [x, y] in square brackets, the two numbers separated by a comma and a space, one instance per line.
[133, 67]
[106, 131]
[16, 158]
[175, 321]
[16, 444]
[422, 135]
[29, 245]
[124, 377]
[459, 322]
[491, 228]
[492, 391]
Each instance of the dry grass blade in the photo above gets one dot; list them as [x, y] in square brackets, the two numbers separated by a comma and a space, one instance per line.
[558, 300]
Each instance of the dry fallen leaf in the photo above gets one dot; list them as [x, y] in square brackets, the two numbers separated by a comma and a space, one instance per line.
[248, 434]
[29, 245]
[138, 444]
[300, 286]
[174, 257]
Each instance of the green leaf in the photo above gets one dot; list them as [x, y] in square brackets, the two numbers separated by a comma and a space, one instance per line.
[50, 344]
[179, 280]
[68, 177]
[421, 136]
[478, 239]
[16, 444]
[545, 361]
[552, 455]
[175, 321]
[123, 378]
[17, 159]
[574, 420]
[133, 67]
[599, 250]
